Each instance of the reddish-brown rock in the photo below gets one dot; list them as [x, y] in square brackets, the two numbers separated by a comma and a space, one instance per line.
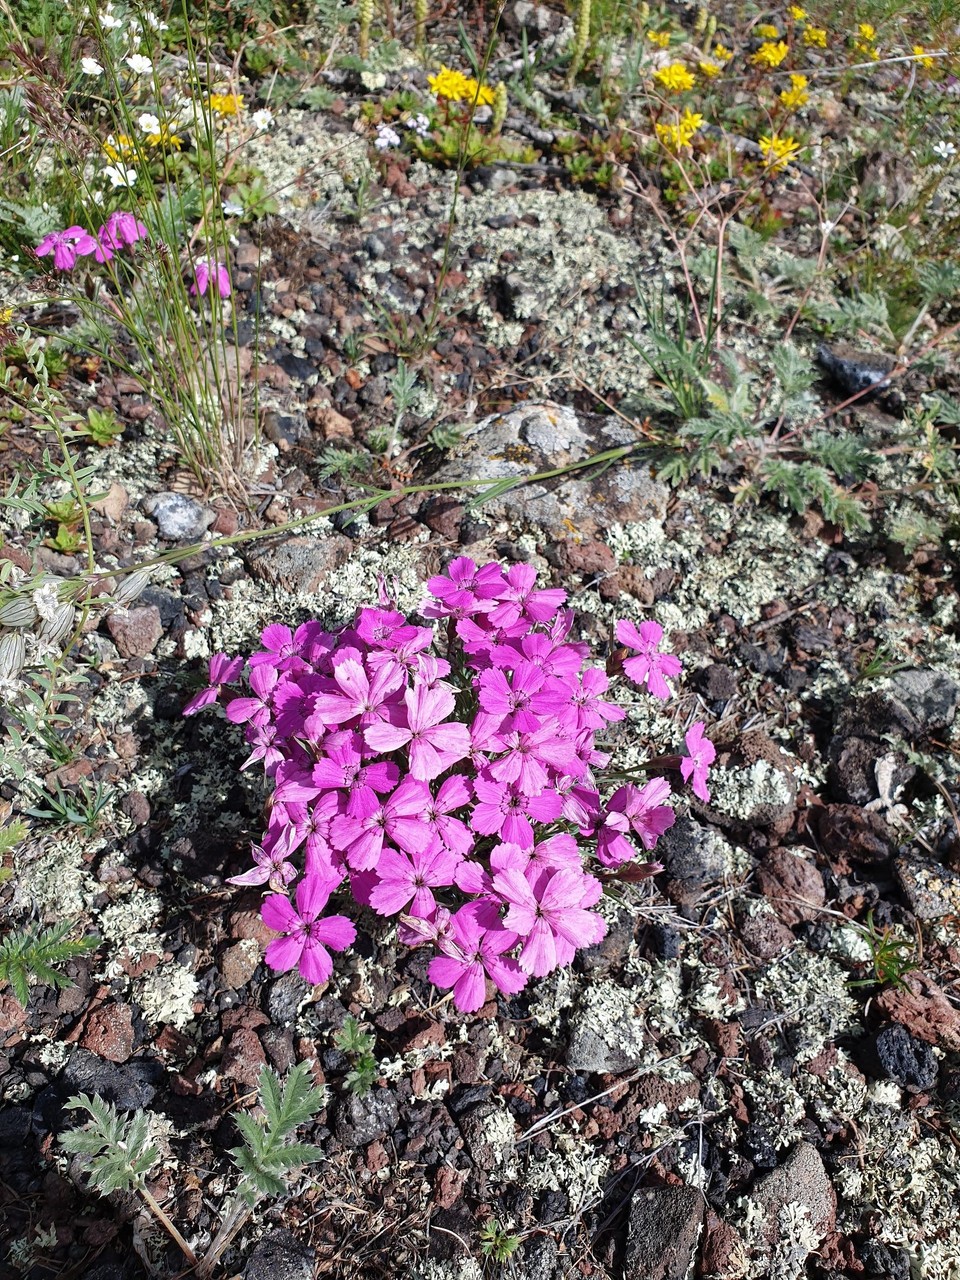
[109, 1033]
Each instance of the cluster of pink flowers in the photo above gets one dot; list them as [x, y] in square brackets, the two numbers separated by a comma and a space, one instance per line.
[454, 788]
[120, 231]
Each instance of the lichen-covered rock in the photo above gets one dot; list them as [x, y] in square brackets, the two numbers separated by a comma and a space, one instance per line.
[363, 1119]
[930, 697]
[693, 857]
[299, 563]
[932, 889]
[798, 1207]
[541, 437]
[280, 1256]
[606, 1033]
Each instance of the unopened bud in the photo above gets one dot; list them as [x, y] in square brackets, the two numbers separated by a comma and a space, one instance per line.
[700, 23]
[500, 102]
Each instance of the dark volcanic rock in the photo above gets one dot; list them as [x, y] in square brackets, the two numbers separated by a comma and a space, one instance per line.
[280, 1256]
[361, 1120]
[664, 1227]
[905, 1059]
[130, 1085]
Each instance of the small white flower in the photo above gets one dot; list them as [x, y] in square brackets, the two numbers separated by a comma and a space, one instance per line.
[91, 67]
[262, 119]
[386, 138]
[149, 123]
[945, 150]
[419, 124]
[120, 175]
[827, 228]
[108, 21]
[153, 22]
[46, 600]
[231, 209]
[138, 64]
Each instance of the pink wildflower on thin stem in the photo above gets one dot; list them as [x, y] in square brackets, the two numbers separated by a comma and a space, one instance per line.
[697, 764]
[207, 272]
[271, 867]
[651, 666]
[121, 230]
[223, 670]
[550, 916]
[66, 246]
[307, 934]
[407, 880]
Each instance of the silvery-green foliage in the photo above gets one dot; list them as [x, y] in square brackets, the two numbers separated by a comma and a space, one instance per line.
[119, 1151]
[269, 1154]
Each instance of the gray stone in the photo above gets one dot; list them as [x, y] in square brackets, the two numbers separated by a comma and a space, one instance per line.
[284, 998]
[931, 697]
[179, 517]
[541, 437]
[362, 1119]
[665, 1224]
[691, 853]
[800, 1180]
[280, 1256]
[299, 564]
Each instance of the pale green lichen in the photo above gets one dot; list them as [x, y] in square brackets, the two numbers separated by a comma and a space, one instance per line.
[166, 994]
[740, 792]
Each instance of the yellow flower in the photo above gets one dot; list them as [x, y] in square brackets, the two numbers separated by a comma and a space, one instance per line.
[721, 53]
[120, 147]
[675, 78]
[796, 13]
[165, 138]
[796, 96]
[923, 57]
[770, 55]
[815, 36]
[675, 136]
[456, 87]
[778, 152]
[6, 315]
[766, 32]
[226, 104]
[867, 32]
[709, 69]
[660, 38]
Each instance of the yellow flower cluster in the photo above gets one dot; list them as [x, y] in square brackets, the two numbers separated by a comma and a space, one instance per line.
[923, 57]
[660, 38]
[796, 96]
[778, 152]
[226, 104]
[709, 69]
[722, 53]
[770, 54]
[165, 139]
[815, 36]
[456, 87]
[867, 31]
[767, 32]
[675, 78]
[796, 13]
[675, 136]
[121, 147]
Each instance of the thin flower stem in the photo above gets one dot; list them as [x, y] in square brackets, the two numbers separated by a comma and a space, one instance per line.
[168, 1226]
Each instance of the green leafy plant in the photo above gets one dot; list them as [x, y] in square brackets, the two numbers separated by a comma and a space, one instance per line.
[358, 1045]
[84, 810]
[891, 957]
[27, 954]
[119, 1155]
[269, 1155]
[496, 1242]
[102, 427]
